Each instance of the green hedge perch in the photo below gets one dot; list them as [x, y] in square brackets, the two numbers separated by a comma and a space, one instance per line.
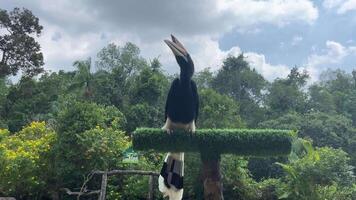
[243, 142]
[211, 143]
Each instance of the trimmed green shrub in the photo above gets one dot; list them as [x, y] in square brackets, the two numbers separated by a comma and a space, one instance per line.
[251, 142]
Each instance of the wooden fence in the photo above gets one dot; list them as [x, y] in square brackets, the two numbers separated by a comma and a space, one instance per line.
[104, 180]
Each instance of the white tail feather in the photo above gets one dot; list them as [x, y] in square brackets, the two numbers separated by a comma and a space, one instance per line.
[172, 193]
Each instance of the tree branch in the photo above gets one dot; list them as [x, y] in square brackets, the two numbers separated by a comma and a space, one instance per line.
[127, 172]
[69, 192]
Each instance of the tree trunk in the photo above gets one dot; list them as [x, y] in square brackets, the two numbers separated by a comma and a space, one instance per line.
[213, 186]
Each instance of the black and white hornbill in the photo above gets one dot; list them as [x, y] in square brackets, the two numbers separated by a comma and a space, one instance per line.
[181, 112]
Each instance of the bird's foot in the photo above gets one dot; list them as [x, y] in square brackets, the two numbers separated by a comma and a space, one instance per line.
[191, 131]
[169, 131]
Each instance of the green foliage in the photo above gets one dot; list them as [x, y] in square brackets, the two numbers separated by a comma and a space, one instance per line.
[342, 87]
[267, 188]
[31, 100]
[204, 78]
[102, 88]
[237, 80]
[3, 93]
[262, 142]
[321, 99]
[215, 106]
[124, 63]
[149, 86]
[25, 161]
[237, 180]
[102, 148]
[324, 129]
[286, 95]
[4, 133]
[327, 130]
[83, 78]
[336, 192]
[143, 115]
[321, 167]
[18, 47]
[292, 121]
[94, 132]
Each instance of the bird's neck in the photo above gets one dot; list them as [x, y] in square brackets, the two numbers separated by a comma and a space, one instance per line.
[185, 77]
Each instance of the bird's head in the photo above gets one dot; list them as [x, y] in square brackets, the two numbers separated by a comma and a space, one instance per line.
[183, 58]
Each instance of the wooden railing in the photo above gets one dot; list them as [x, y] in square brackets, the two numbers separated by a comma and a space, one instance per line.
[104, 180]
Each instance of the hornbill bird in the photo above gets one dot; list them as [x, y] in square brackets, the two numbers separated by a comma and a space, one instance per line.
[181, 113]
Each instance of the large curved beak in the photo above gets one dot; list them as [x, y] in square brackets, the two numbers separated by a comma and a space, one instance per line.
[177, 48]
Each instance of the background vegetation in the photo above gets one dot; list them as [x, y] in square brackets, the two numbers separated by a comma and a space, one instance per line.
[56, 127]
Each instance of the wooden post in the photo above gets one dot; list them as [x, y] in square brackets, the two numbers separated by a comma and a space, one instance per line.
[213, 187]
[104, 182]
[150, 187]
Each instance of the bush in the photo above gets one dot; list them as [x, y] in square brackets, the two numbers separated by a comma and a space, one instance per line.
[89, 138]
[25, 161]
[317, 168]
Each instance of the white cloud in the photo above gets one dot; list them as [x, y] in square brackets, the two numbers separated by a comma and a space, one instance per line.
[333, 54]
[62, 51]
[78, 29]
[296, 40]
[269, 71]
[210, 55]
[278, 12]
[341, 6]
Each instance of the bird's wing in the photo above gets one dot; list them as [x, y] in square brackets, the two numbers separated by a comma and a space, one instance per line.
[170, 97]
[196, 99]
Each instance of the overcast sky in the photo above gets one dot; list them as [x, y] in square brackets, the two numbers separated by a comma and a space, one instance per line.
[273, 35]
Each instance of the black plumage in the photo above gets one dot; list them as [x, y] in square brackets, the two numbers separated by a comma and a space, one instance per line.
[182, 105]
[181, 112]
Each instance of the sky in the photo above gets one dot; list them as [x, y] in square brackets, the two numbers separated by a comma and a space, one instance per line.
[274, 35]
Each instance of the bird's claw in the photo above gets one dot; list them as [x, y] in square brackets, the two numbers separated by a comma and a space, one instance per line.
[191, 131]
[169, 131]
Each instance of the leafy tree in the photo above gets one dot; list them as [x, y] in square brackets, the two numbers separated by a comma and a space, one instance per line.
[286, 95]
[21, 104]
[327, 130]
[103, 147]
[102, 88]
[204, 78]
[263, 168]
[342, 87]
[149, 86]
[123, 63]
[3, 93]
[95, 133]
[218, 111]
[321, 99]
[31, 100]
[83, 78]
[289, 121]
[237, 80]
[143, 115]
[322, 128]
[147, 94]
[18, 48]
